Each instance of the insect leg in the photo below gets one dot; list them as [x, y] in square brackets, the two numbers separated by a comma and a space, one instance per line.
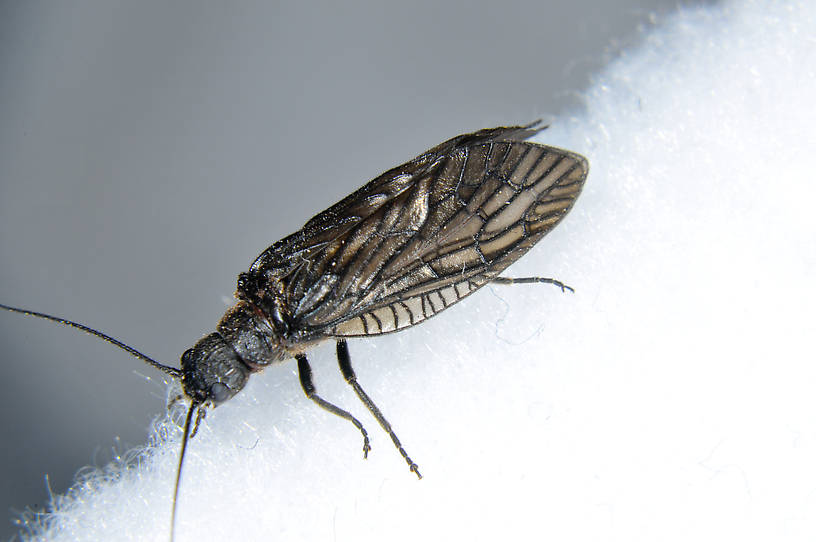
[344, 360]
[532, 280]
[305, 374]
[200, 415]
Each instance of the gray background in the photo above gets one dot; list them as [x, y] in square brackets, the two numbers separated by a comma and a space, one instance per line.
[149, 151]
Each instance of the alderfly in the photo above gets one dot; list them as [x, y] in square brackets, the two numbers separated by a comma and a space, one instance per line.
[412, 242]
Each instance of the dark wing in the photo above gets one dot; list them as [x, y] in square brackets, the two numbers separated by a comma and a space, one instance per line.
[423, 235]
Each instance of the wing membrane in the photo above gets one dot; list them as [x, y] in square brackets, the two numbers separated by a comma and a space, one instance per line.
[498, 219]
[424, 235]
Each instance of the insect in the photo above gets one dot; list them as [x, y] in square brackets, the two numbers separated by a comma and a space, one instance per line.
[410, 243]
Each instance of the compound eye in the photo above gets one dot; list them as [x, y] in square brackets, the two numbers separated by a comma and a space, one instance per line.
[220, 392]
[186, 356]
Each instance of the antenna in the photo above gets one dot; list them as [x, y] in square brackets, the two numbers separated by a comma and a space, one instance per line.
[172, 371]
[187, 424]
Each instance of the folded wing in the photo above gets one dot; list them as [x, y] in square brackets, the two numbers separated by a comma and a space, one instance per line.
[424, 235]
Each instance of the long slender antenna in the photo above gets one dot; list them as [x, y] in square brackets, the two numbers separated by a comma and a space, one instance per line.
[188, 421]
[172, 371]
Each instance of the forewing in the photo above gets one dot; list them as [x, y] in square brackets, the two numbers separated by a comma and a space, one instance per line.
[477, 209]
[308, 245]
[305, 249]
